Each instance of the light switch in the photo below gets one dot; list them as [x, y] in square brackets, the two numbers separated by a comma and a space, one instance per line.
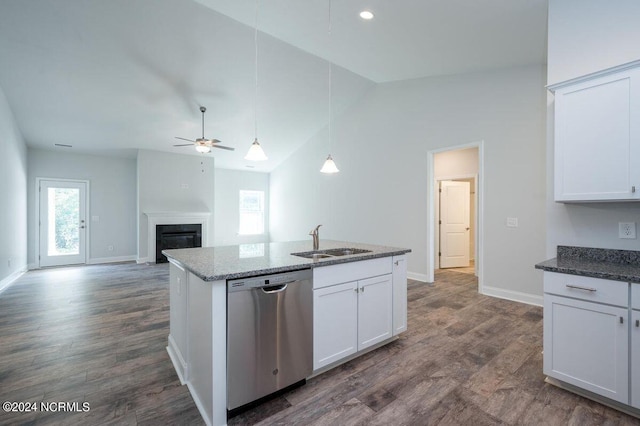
[512, 222]
[185, 186]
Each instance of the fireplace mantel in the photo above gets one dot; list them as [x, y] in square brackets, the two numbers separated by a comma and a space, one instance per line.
[174, 218]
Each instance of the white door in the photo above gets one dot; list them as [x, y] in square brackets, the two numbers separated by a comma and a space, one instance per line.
[335, 323]
[454, 224]
[62, 222]
[375, 310]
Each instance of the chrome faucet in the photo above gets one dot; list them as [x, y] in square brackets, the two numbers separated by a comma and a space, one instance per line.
[316, 237]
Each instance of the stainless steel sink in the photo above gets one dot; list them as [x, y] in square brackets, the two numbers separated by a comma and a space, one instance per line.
[323, 254]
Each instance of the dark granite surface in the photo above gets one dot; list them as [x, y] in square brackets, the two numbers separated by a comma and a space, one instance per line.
[247, 260]
[618, 265]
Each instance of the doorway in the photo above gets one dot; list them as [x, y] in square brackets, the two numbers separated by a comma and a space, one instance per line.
[62, 222]
[458, 170]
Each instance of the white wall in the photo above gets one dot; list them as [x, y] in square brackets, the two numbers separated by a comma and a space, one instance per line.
[173, 183]
[381, 146]
[228, 184]
[587, 36]
[112, 185]
[13, 190]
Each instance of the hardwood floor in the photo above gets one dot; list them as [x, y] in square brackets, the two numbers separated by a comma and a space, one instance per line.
[97, 334]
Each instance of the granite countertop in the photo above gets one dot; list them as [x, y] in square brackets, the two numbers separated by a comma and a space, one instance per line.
[247, 260]
[610, 264]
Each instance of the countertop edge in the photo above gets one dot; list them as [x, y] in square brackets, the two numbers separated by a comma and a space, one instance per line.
[549, 266]
[289, 268]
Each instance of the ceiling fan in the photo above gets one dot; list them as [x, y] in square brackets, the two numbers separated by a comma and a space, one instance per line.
[202, 144]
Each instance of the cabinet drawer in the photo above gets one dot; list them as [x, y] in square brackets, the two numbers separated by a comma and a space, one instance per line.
[587, 288]
[351, 271]
[635, 296]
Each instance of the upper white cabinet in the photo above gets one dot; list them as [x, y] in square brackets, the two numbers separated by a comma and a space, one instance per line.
[597, 136]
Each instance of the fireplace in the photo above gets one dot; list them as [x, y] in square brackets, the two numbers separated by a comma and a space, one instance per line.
[176, 237]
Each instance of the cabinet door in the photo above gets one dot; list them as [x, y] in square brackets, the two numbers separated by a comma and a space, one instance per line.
[375, 305]
[635, 357]
[178, 319]
[587, 345]
[335, 319]
[399, 294]
[596, 154]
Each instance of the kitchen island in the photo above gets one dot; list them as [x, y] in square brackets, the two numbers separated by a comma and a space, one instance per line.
[346, 323]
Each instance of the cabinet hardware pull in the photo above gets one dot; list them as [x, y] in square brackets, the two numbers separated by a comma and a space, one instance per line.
[621, 320]
[637, 323]
[577, 287]
[633, 189]
[356, 290]
[362, 289]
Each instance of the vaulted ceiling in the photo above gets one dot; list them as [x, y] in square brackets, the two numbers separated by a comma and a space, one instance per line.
[112, 76]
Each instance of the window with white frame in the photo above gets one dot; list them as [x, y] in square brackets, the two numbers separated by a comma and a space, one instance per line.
[251, 212]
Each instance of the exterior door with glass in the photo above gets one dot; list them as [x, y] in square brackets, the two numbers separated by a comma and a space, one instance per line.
[62, 220]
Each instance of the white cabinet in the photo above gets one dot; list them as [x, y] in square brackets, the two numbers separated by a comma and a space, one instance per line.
[375, 310]
[399, 294]
[354, 315]
[587, 345]
[335, 323]
[586, 333]
[635, 356]
[635, 345]
[597, 136]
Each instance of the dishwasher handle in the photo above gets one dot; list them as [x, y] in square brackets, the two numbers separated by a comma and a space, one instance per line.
[275, 288]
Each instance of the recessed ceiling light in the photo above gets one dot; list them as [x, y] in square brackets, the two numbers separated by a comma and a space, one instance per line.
[366, 15]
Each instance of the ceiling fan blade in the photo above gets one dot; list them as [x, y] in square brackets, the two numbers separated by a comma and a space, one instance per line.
[228, 148]
[185, 139]
[184, 144]
[214, 141]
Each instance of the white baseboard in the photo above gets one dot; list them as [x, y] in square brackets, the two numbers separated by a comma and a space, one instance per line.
[179, 364]
[140, 260]
[7, 281]
[516, 296]
[416, 276]
[114, 259]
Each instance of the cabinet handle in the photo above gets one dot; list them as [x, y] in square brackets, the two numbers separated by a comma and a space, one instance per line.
[633, 189]
[637, 323]
[356, 290]
[362, 289]
[621, 320]
[577, 287]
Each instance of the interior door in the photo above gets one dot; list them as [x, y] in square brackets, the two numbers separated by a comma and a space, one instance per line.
[454, 224]
[63, 226]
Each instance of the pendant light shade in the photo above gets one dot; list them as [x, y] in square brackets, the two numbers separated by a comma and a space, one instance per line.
[255, 152]
[329, 166]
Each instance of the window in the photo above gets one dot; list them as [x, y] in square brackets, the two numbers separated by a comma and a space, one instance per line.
[251, 212]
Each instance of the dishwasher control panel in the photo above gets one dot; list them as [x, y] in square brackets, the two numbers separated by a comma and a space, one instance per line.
[268, 280]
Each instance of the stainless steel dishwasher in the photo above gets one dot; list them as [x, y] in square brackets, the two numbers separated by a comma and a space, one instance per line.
[269, 335]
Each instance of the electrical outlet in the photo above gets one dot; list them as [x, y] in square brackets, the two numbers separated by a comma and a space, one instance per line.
[627, 230]
[512, 222]
[110, 248]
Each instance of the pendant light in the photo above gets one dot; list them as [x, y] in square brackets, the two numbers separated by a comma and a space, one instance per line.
[329, 165]
[255, 152]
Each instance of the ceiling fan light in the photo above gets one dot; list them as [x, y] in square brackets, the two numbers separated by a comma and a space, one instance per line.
[203, 149]
[255, 152]
[329, 166]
